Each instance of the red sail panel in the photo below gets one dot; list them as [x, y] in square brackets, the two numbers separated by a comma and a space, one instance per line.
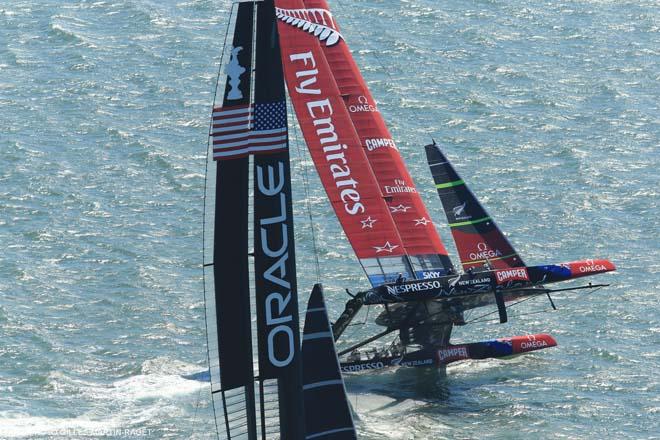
[412, 220]
[332, 141]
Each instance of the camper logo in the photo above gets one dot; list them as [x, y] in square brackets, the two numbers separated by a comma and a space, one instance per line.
[453, 353]
[515, 274]
[316, 21]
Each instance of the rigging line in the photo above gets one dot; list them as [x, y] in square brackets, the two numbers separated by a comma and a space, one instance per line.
[209, 147]
[375, 53]
[595, 289]
[194, 418]
[516, 315]
[308, 204]
[358, 324]
[510, 306]
[364, 321]
[431, 315]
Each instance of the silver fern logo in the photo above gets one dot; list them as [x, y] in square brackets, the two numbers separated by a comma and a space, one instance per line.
[316, 21]
[459, 212]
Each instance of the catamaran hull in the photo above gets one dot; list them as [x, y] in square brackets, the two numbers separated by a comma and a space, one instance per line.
[439, 357]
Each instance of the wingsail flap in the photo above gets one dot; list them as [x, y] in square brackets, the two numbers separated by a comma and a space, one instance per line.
[479, 241]
[229, 187]
[413, 222]
[327, 413]
[334, 144]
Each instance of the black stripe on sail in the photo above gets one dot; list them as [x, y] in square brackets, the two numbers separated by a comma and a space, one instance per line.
[327, 413]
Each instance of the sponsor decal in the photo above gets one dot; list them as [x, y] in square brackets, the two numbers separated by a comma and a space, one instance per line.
[505, 275]
[362, 366]
[473, 281]
[375, 143]
[399, 187]
[316, 21]
[321, 113]
[420, 286]
[484, 252]
[274, 239]
[412, 363]
[234, 71]
[446, 355]
[532, 343]
[362, 106]
[590, 266]
[387, 247]
[431, 274]
[459, 212]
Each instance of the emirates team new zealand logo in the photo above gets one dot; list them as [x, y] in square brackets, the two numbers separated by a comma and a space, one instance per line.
[317, 22]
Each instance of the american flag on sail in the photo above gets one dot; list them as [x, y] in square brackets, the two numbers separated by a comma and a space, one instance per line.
[244, 129]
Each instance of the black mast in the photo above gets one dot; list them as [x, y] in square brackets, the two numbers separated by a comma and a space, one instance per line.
[275, 270]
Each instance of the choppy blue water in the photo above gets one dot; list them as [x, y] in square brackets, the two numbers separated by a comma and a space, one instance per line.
[549, 109]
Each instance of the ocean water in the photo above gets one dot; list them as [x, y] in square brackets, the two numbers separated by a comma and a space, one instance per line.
[549, 110]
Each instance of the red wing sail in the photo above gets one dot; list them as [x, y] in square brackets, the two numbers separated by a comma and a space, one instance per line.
[335, 146]
[478, 239]
[413, 222]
